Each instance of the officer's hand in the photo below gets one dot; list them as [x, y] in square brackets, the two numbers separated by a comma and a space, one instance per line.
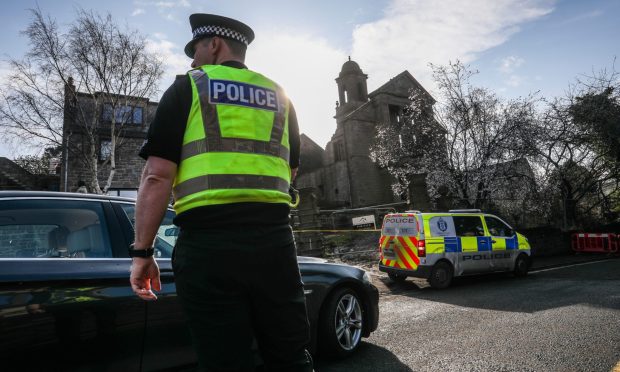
[145, 277]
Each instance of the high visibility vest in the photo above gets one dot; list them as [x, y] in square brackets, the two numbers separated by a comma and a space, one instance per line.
[235, 146]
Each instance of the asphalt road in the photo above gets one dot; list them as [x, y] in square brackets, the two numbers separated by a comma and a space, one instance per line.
[560, 319]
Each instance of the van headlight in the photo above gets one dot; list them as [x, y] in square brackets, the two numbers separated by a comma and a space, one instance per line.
[367, 278]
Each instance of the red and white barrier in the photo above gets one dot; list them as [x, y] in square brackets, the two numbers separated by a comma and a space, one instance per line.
[599, 243]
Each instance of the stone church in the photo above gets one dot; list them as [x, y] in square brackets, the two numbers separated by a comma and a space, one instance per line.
[342, 175]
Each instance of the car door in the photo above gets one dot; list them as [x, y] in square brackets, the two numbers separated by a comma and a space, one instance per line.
[168, 343]
[503, 240]
[65, 302]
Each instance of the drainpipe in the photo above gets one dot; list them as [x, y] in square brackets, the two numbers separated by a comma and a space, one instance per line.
[66, 159]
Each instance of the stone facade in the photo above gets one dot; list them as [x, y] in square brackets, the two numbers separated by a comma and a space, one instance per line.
[347, 177]
[92, 110]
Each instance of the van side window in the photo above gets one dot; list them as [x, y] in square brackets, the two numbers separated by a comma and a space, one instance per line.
[497, 227]
[468, 225]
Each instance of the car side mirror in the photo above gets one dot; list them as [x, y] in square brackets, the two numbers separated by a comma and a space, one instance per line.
[173, 231]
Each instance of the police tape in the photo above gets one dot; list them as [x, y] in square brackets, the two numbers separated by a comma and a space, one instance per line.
[349, 253]
[318, 230]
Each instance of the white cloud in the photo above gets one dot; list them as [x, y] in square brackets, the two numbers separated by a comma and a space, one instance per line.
[164, 4]
[171, 17]
[409, 35]
[173, 4]
[306, 67]
[174, 60]
[413, 33]
[582, 17]
[510, 63]
[166, 9]
[514, 81]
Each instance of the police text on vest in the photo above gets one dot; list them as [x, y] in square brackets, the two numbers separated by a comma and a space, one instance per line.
[236, 93]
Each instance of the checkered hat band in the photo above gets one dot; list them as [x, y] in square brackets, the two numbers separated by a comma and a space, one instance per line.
[220, 31]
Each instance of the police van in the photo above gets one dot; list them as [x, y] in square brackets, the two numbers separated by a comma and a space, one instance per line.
[440, 246]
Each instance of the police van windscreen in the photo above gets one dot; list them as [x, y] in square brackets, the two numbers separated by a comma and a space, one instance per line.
[399, 226]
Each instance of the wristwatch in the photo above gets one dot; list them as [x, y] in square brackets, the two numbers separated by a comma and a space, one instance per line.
[144, 253]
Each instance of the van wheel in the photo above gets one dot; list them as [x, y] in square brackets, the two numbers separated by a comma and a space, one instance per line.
[441, 275]
[398, 278]
[521, 266]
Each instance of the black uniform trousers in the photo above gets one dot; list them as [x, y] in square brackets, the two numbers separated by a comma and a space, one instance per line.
[240, 283]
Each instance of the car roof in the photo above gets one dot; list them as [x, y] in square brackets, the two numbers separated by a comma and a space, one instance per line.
[56, 194]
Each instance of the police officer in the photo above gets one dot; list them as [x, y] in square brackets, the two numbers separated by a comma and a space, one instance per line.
[225, 139]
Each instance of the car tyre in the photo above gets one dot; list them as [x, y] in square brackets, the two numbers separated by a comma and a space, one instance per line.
[341, 324]
[521, 266]
[441, 275]
[398, 278]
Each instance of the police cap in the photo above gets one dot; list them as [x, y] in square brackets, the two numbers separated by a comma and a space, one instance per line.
[206, 25]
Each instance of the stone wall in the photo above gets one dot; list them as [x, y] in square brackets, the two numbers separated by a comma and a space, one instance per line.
[305, 221]
[336, 187]
[371, 185]
[313, 155]
[129, 165]
[548, 241]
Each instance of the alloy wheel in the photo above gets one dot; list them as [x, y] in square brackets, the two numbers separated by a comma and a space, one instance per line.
[348, 322]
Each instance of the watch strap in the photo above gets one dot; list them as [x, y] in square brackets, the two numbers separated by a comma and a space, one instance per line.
[148, 252]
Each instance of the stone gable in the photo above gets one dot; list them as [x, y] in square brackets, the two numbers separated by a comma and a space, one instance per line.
[349, 178]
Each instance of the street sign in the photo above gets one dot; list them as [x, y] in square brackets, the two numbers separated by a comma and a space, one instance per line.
[364, 222]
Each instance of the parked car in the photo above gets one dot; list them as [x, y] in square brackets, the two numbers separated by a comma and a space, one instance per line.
[66, 303]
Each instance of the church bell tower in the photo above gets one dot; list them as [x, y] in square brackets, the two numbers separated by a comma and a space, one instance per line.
[352, 88]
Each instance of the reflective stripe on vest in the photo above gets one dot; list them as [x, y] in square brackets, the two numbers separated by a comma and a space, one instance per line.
[230, 181]
[266, 180]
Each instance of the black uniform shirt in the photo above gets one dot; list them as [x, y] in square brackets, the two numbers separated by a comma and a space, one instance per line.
[165, 140]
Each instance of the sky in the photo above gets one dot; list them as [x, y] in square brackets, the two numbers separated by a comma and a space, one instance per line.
[518, 46]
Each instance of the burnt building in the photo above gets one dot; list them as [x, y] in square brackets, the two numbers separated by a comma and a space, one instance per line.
[343, 174]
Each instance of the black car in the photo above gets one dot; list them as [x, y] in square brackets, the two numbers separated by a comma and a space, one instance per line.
[66, 303]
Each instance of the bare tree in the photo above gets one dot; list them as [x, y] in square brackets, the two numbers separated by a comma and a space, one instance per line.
[577, 144]
[482, 144]
[466, 146]
[41, 165]
[410, 146]
[76, 77]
